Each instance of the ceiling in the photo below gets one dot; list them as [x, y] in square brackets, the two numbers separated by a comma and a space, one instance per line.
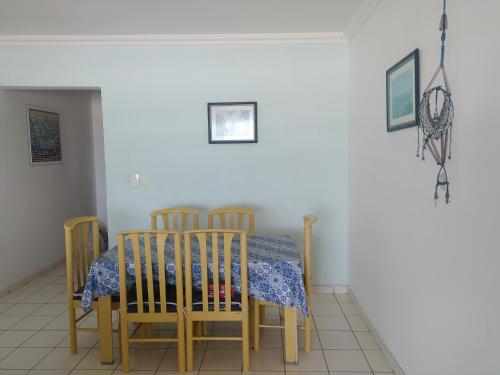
[141, 17]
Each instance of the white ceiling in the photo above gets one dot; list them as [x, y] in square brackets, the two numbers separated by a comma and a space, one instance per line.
[129, 17]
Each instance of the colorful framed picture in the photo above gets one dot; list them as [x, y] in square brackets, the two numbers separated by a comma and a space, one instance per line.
[44, 136]
[233, 122]
[403, 93]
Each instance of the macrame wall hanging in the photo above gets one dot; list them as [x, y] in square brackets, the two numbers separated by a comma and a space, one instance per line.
[436, 119]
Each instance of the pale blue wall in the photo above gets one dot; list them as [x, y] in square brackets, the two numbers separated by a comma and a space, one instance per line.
[155, 122]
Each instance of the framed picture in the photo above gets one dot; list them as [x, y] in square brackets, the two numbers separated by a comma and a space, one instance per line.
[44, 136]
[403, 93]
[232, 122]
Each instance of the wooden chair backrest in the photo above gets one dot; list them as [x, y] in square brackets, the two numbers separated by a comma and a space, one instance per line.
[176, 219]
[161, 241]
[309, 220]
[233, 218]
[202, 236]
[82, 247]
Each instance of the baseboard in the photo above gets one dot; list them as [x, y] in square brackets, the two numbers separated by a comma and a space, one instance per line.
[32, 276]
[388, 355]
[329, 288]
[322, 289]
[340, 289]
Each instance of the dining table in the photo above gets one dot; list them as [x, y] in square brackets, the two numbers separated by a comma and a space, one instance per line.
[274, 275]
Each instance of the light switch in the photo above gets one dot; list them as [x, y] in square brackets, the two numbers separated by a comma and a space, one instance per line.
[135, 179]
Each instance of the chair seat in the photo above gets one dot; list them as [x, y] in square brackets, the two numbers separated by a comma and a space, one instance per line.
[198, 302]
[78, 294]
[171, 292]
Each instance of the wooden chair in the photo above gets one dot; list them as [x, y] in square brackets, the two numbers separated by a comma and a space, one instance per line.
[151, 300]
[216, 300]
[176, 219]
[259, 306]
[233, 218]
[82, 247]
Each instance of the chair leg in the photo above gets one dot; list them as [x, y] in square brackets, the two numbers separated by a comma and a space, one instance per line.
[181, 343]
[245, 343]
[124, 342]
[189, 343]
[256, 325]
[72, 328]
[120, 333]
[307, 333]
[251, 319]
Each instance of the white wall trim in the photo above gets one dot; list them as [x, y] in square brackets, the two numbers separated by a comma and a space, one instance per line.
[326, 37]
[388, 355]
[360, 17]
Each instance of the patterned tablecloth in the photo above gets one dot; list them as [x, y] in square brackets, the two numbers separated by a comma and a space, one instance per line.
[274, 271]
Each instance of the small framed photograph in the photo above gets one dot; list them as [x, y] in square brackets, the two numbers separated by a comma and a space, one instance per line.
[44, 135]
[232, 122]
[403, 93]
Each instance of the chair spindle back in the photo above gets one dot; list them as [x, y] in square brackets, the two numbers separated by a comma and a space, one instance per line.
[176, 219]
[210, 239]
[148, 280]
[309, 220]
[233, 218]
[82, 247]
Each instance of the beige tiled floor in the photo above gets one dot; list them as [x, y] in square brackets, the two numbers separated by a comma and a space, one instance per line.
[34, 340]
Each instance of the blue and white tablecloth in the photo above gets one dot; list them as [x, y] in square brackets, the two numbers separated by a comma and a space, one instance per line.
[274, 271]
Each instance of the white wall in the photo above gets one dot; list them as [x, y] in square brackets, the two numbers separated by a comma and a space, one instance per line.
[154, 101]
[100, 206]
[428, 277]
[36, 200]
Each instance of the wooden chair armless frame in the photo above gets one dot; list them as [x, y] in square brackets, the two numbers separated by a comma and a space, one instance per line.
[221, 308]
[157, 310]
[82, 244]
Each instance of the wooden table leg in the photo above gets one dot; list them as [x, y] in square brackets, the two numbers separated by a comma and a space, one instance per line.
[105, 322]
[291, 346]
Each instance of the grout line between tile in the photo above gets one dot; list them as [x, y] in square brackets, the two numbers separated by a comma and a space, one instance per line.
[359, 344]
[203, 351]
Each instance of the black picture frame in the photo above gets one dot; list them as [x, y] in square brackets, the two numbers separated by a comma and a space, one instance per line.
[408, 86]
[250, 107]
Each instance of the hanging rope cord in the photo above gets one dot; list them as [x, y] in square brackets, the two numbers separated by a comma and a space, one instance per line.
[443, 27]
[430, 125]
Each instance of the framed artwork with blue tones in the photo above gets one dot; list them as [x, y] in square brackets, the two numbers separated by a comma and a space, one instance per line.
[403, 93]
[232, 122]
[44, 136]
